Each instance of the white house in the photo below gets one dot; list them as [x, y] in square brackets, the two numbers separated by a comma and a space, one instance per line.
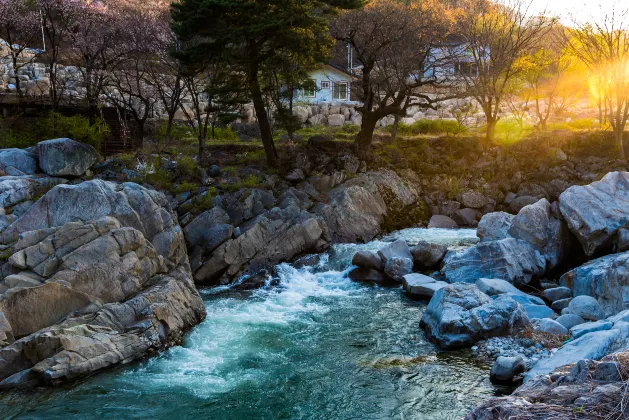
[327, 84]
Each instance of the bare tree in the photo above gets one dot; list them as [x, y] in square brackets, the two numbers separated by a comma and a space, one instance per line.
[20, 33]
[604, 48]
[496, 36]
[392, 43]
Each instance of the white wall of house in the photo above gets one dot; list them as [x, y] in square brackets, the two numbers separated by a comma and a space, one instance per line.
[329, 85]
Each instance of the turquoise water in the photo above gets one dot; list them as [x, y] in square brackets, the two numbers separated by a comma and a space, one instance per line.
[318, 346]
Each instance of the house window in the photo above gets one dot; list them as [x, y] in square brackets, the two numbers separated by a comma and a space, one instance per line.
[325, 84]
[310, 89]
[465, 69]
[339, 92]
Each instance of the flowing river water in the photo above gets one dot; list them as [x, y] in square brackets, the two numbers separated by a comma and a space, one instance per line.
[316, 346]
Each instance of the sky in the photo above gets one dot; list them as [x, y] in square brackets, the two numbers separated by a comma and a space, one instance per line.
[582, 10]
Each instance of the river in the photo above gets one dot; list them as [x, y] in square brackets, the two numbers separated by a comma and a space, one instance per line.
[316, 346]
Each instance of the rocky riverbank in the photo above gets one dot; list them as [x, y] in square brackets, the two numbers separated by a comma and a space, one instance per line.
[100, 271]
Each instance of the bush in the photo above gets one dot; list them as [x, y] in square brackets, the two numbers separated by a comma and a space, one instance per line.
[430, 127]
[76, 127]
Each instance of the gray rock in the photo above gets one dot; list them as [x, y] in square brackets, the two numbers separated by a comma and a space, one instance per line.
[588, 327]
[399, 249]
[506, 369]
[557, 293]
[467, 217]
[17, 162]
[368, 275]
[561, 304]
[428, 290]
[19, 189]
[412, 281]
[493, 287]
[368, 259]
[61, 157]
[397, 268]
[537, 311]
[214, 171]
[523, 298]
[570, 320]
[509, 259]
[587, 308]
[608, 371]
[622, 241]
[460, 314]
[273, 237]
[295, 175]
[428, 255]
[536, 225]
[494, 226]
[474, 199]
[519, 203]
[550, 326]
[593, 346]
[442, 222]
[594, 213]
[197, 229]
[604, 278]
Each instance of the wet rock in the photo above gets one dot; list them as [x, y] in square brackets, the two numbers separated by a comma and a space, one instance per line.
[428, 290]
[412, 281]
[368, 259]
[397, 268]
[368, 275]
[494, 226]
[61, 157]
[428, 255]
[442, 222]
[398, 249]
[458, 315]
[509, 259]
[507, 369]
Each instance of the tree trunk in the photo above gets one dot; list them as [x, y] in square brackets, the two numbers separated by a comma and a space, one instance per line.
[490, 135]
[140, 136]
[394, 128]
[618, 134]
[365, 136]
[169, 127]
[263, 119]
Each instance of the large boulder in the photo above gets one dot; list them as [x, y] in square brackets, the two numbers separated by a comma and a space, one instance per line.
[428, 255]
[369, 260]
[61, 157]
[98, 276]
[397, 249]
[509, 259]
[606, 279]
[506, 369]
[439, 221]
[587, 308]
[460, 314]
[494, 226]
[273, 237]
[19, 189]
[594, 213]
[536, 225]
[17, 162]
